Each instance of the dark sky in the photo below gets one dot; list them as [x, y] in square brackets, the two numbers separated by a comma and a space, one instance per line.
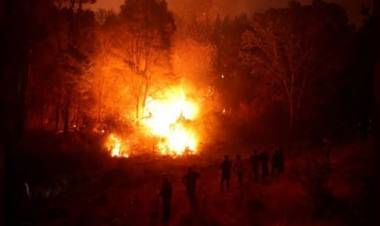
[234, 7]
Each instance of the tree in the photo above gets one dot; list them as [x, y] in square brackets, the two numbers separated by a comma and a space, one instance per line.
[143, 40]
[72, 3]
[231, 81]
[293, 48]
[59, 61]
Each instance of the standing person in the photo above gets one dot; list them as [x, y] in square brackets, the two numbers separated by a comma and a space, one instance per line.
[275, 162]
[239, 170]
[166, 195]
[225, 167]
[190, 182]
[255, 165]
[264, 164]
[281, 161]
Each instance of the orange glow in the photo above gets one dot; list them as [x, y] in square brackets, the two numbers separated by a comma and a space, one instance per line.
[115, 146]
[169, 118]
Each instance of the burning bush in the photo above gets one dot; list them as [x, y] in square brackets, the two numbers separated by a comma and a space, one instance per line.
[169, 120]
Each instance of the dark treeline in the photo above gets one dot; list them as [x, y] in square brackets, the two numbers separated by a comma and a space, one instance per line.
[58, 89]
[302, 68]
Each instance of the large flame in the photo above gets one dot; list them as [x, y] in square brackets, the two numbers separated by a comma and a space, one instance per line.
[169, 118]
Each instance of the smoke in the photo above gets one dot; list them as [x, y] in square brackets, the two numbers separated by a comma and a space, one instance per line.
[195, 8]
[236, 7]
[222, 7]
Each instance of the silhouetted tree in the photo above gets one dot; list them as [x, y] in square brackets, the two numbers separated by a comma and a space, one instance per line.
[144, 32]
[59, 61]
[232, 80]
[295, 47]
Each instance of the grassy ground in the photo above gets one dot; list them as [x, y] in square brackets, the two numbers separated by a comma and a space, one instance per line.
[82, 187]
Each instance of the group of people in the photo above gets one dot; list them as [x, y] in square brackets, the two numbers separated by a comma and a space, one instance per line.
[259, 163]
[190, 181]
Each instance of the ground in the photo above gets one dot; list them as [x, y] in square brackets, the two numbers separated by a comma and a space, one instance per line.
[55, 186]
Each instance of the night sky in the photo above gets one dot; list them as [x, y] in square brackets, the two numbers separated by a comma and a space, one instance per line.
[224, 7]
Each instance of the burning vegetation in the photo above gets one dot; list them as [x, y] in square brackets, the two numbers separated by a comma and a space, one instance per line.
[116, 147]
[168, 82]
[170, 119]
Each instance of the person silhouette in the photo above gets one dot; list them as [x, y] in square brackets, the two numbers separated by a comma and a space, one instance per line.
[280, 161]
[264, 164]
[255, 163]
[239, 170]
[190, 181]
[225, 167]
[166, 195]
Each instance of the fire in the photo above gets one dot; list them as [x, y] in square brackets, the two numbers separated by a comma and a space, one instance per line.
[170, 118]
[115, 145]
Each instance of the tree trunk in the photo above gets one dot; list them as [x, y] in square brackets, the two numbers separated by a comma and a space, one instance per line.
[57, 117]
[77, 115]
[145, 94]
[72, 4]
[290, 134]
[291, 113]
[80, 5]
[137, 115]
[100, 99]
[42, 116]
[66, 115]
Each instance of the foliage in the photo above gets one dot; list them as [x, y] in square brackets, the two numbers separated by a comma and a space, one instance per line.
[138, 43]
[299, 66]
[288, 48]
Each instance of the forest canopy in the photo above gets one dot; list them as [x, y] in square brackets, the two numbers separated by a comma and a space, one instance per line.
[293, 68]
